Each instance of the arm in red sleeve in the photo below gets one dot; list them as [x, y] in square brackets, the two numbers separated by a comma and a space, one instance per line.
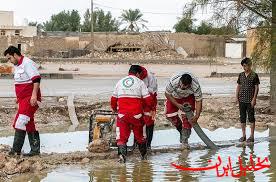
[113, 103]
[148, 103]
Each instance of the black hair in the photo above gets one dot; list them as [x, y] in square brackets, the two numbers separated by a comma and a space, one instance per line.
[246, 61]
[186, 79]
[12, 50]
[134, 69]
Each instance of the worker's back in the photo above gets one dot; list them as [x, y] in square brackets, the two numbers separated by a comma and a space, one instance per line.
[130, 92]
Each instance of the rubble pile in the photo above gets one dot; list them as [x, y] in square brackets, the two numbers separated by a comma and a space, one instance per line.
[98, 146]
[137, 55]
[5, 69]
[11, 165]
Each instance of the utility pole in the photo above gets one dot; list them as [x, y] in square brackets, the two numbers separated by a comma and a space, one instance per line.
[92, 30]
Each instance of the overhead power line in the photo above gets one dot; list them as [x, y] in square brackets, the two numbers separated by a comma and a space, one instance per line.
[144, 12]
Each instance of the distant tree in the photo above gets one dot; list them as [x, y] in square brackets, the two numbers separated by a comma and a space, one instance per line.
[74, 20]
[103, 22]
[133, 19]
[204, 28]
[224, 30]
[185, 24]
[63, 21]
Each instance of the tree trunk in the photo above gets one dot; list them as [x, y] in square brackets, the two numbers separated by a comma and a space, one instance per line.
[273, 60]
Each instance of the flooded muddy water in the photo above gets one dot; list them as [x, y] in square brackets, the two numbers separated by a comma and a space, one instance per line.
[158, 166]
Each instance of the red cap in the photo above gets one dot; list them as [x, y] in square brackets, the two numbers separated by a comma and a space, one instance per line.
[144, 73]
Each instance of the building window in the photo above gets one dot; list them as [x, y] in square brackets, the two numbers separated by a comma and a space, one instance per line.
[17, 32]
[2, 32]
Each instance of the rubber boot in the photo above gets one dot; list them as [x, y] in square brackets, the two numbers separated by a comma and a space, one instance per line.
[143, 150]
[179, 129]
[149, 132]
[135, 144]
[185, 136]
[18, 142]
[122, 152]
[34, 140]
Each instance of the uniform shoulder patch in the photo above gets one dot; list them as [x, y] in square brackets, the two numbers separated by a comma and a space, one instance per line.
[128, 82]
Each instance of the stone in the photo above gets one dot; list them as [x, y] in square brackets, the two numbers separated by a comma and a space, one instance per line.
[181, 51]
[25, 166]
[98, 146]
[2, 157]
[85, 160]
[11, 168]
[38, 166]
[61, 99]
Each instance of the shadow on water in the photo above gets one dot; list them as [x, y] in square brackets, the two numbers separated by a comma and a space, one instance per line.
[158, 166]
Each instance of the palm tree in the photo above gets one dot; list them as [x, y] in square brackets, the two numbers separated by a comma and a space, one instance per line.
[134, 20]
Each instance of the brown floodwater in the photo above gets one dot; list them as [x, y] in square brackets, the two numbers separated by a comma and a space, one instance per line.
[158, 166]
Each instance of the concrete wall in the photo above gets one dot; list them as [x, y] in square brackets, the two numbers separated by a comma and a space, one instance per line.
[194, 45]
[3, 44]
[199, 45]
[6, 18]
[44, 46]
[24, 31]
[29, 31]
[234, 50]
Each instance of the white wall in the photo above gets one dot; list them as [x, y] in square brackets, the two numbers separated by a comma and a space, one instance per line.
[6, 18]
[233, 50]
[25, 31]
[29, 31]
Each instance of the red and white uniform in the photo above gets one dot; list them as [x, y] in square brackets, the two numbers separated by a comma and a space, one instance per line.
[128, 99]
[24, 74]
[151, 82]
[189, 95]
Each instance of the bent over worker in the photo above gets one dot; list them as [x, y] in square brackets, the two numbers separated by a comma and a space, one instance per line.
[128, 98]
[27, 88]
[183, 88]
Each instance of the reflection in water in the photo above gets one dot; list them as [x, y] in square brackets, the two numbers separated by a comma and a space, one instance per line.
[142, 171]
[272, 157]
[246, 157]
[158, 167]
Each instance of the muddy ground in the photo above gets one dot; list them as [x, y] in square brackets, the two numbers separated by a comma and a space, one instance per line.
[53, 115]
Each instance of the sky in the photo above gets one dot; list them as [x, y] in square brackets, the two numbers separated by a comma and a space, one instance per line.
[160, 14]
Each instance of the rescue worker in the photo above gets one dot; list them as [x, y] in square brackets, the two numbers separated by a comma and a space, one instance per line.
[128, 99]
[149, 113]
[27, 88]
[183, 88]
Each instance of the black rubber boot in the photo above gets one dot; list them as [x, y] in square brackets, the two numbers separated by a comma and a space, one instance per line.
[185, 136]
[143, 150]
[34, 140]
[135, 144]
[122, 152]
[18, 142]
[149, 132]
[179, 129]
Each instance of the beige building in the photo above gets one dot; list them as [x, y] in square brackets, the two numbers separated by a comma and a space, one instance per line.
[7, 27]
